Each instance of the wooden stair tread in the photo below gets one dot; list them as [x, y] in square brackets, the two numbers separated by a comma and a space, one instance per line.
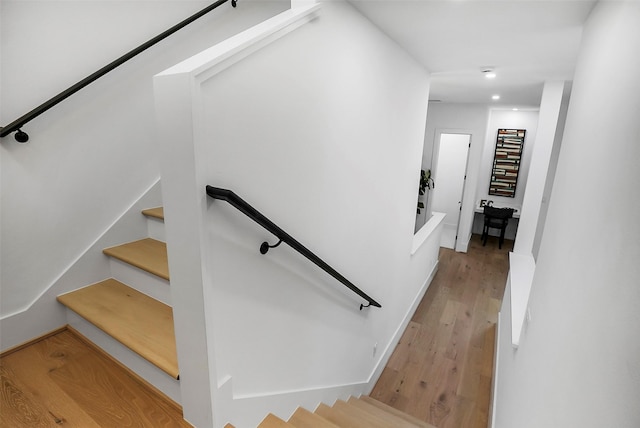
[139, 322]
[147, 254]
[157, 212]
[342, 418]
[272, 421]
[395, 420]
[371, 421]
[303, 418]
[417, 422]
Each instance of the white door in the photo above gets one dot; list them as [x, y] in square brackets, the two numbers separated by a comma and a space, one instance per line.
[449, 176]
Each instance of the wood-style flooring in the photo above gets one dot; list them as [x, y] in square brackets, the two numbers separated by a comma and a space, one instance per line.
[62, 381]
[441, 370]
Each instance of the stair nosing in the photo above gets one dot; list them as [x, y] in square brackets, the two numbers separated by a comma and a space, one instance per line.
[157, 212]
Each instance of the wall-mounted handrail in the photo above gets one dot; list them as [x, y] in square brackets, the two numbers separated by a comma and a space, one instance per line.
[255, 215]
[22, 136]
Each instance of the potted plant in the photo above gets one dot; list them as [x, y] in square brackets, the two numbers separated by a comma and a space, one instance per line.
[426, 182]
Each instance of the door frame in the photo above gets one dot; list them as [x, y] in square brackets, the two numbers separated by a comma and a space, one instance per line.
[434, 162]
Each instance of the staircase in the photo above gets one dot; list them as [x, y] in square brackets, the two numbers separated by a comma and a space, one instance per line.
[363, 412]
[129, 315]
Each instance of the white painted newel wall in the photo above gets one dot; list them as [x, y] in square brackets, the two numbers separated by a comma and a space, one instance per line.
[329, 148]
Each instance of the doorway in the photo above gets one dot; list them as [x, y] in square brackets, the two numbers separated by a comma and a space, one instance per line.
[450, 170]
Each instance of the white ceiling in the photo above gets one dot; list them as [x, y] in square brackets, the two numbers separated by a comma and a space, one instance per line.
[526, 41]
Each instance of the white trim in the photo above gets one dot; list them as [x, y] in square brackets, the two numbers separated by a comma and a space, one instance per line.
[494, 379]
[392, 343]
[426, 231]
[521, 270]
[466, 197]
[221, 56]
[82, 253]
[310, 397]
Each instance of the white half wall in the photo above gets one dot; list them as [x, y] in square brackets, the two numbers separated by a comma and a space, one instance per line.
[321, 129]
[578, 361]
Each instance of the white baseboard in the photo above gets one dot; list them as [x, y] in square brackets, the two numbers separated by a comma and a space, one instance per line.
[494, 378]
[391, 346]
[249, 410]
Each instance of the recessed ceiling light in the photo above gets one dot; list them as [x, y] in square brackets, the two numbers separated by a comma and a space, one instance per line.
[495, 97]
[489, 72]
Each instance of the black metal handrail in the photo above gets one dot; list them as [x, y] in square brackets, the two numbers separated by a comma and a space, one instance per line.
[22, 136]
[255, 215]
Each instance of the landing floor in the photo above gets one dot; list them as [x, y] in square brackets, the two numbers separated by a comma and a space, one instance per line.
[442, 367]
[63, 381]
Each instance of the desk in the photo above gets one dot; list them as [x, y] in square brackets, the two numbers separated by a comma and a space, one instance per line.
[516, 212]
[512, 227]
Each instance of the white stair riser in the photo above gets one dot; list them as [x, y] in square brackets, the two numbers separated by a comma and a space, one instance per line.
[143, 281]
[149, 372]
[155, 229]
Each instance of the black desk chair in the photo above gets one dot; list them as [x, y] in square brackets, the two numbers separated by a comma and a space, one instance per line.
[496, 218]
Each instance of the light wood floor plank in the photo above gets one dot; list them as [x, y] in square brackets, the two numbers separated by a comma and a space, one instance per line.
[60, 381]
[441, 369]
[23, 406]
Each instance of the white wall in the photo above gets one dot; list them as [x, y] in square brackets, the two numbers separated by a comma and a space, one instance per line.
[538, 171]
[551, 173]
[578, 359]
[469, 118]
[46, 314]
[92, 156]
[328, 147]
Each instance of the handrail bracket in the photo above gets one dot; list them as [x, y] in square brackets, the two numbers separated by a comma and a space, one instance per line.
[264, 247]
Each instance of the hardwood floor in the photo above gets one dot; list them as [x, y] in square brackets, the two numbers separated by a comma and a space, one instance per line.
[61, 381]
[441, 370]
